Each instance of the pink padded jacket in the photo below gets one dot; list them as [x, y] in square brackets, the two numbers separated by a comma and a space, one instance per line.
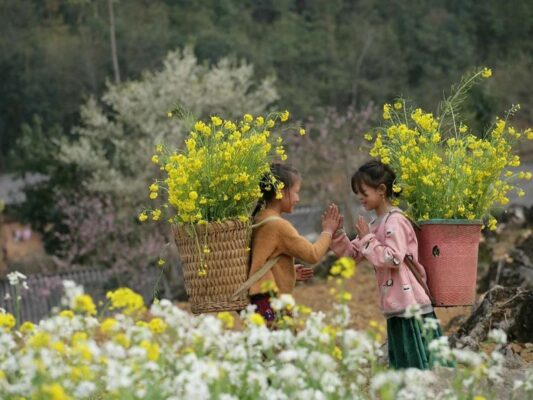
[391, 239]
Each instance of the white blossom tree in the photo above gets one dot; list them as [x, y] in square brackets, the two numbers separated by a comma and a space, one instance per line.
[113, 144]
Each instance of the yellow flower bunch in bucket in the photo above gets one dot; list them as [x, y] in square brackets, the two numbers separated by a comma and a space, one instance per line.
[444, 170]
[209, 191]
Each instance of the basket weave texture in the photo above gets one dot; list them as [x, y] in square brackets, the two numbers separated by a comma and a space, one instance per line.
[448, 250]
[227, 264]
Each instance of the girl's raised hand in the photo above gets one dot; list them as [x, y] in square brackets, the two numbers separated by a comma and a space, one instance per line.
[331, 219]
[362, 227]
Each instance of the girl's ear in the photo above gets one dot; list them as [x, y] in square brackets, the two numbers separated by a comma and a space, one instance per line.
[382, 189]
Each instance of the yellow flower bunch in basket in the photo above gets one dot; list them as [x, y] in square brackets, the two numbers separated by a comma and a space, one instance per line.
[210, 190]
[216, 176]
[444, 170]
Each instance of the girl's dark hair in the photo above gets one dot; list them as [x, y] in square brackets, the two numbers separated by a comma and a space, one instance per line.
[284, 173]
[374, 173]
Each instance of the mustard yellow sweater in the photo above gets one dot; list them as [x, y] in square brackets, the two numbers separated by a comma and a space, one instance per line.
[280, 238]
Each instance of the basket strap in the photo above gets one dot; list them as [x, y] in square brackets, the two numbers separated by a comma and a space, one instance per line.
[255, 277]
[267, 219]
[416, 274]
[261, 271]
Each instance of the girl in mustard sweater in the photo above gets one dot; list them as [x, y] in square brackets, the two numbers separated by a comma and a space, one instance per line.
[276, 237]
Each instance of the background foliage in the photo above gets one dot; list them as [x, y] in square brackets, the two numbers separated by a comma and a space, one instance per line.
[66, 115]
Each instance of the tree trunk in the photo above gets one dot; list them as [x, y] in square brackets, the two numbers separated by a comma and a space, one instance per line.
[113, 41]
[503, 308]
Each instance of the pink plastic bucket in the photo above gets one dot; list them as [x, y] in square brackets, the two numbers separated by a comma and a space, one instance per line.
[448, 249]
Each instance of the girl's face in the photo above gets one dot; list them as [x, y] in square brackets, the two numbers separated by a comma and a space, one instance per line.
[369, 197]
[291, 196]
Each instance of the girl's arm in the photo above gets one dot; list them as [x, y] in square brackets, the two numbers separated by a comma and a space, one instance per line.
[295, 245]
[391, 253]
[342, 247]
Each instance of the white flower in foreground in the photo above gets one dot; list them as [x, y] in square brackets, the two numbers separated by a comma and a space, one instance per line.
[16, 277]
[498, 336]
[283, 302]
[71, 291]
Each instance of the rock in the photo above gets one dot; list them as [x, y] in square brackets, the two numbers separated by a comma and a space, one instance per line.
[511, 360]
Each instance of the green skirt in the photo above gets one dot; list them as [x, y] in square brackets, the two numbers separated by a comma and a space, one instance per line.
[408, 345]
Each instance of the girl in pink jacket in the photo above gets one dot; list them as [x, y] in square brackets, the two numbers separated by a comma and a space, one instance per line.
[386, 243]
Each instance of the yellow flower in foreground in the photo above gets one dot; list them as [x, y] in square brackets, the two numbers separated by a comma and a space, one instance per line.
[227, 319]
[84, 303]
[155, 159]
[41, 339]
[284, 116]
[7, 321]
[161, 262]
[108, 325]
[398, 105]
[302, 131]
[248, 118]
[127, 299]
[268, 286]
[54, 392]
[257, 319]
[344, 266]
[27, 327]
[152, 350]
[486, 73]
[368, 136]
[157, 325]
[169, 114]
[66, 314]
[345, 296]
[337, 353]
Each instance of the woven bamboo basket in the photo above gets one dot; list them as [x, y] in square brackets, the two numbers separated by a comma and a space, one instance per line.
[227, 264]
[448, 250]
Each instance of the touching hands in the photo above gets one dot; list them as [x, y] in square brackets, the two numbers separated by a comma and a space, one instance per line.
[362, 227]
[331, 219]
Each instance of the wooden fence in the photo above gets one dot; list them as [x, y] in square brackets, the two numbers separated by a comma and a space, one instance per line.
[46, 290]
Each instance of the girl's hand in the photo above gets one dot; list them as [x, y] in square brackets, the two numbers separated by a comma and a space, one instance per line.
[303, 273]
[341, 223]
[362, 227]
[331, 219]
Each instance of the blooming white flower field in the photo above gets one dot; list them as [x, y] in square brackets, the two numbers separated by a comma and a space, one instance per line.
[164, 352]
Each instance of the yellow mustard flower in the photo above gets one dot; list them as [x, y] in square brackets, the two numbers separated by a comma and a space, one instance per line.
[257, 319]
[486, 73]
